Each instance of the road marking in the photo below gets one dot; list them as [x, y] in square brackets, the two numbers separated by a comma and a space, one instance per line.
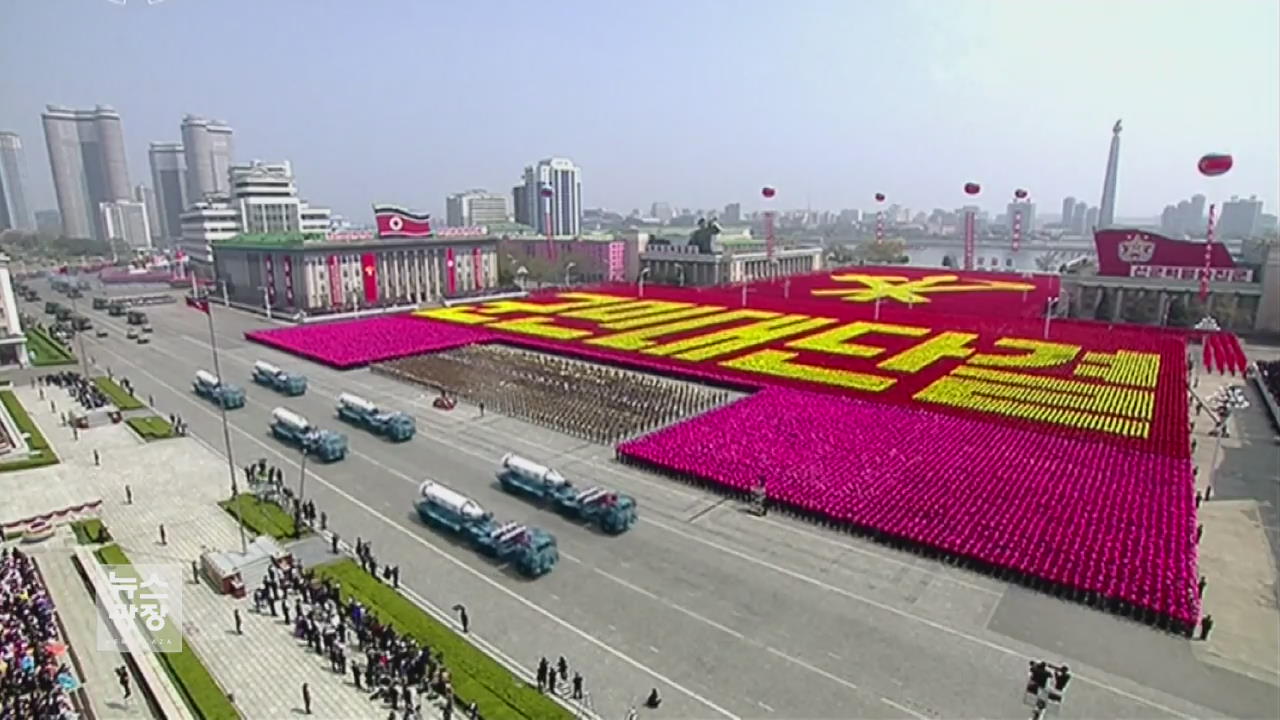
[637, 589]
[904, 709]
[908, 615]
[879, 556]
[812, 668]
[654, 649]
[451, 559]
[766, 707]
[834, 656]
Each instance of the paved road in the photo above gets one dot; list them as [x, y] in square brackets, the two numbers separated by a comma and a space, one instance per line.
[730, 615]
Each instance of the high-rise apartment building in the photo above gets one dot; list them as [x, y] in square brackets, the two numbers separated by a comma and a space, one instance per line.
[1196, 216]
[520, 205]
[1068, 210]
[49, 222]
[1092, 218]
[563, 208]
[168, 179]
[476, 207]
[125, 221]
[1078, 225]
[207, 147]
[87, 158]
[147, 197]
[662, 211]
[732, 214]
[1239, 218]
[14, 212]
[1107, 212]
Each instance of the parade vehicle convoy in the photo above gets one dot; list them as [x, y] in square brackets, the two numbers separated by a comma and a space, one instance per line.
[269, 375]
[80, 322]
[100, 332]
[613, 512]
[208, 387]
[63, 314]
[100, 303]
[395, 426]
[115, 309]
[137, 317]
[51, 307]
[532, 551]
[326, 445]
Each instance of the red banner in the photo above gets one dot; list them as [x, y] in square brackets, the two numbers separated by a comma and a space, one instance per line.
[396, 221]
[335, 282]
[271, 281]
[288, 280]
[1017, 229]
[369, 271]
[970, 221]
[478, 266]
[451, 273]
[1119, 250]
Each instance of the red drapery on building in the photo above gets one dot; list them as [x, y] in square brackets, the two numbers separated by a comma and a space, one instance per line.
[369, 271]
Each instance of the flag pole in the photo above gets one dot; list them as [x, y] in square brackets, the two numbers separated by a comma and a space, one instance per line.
[226, 430]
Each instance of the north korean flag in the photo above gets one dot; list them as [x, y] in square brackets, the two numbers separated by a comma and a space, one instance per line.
[394, 221]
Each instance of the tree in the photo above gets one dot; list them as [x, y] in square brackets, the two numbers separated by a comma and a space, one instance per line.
[887, 252]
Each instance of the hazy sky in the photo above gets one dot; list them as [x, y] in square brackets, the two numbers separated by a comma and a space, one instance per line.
[696, 102]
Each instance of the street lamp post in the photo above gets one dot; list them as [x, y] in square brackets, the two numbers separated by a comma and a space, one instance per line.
[643, 273]
[568, 269]
[302, 492]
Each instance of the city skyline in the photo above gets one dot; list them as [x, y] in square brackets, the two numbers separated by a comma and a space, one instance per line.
[830, 155]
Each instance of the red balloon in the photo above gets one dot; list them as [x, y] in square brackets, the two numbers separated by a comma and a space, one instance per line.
[1215, 164]
[1020, 193]
[972, 188]
[879, 197]
[768, 191]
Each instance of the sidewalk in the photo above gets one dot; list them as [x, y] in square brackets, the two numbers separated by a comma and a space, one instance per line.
[79, 617]
[177, 483]
[1236, 558]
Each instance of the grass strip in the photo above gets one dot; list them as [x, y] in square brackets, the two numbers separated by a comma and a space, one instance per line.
[88, 531]
[199, 690]
[478, 678]
[262, 517]
[152, 427]
[117, 394]
[46, 350]
[41, 453]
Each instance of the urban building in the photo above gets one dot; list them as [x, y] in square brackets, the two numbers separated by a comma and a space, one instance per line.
[1078, 217]
[49, 222]
[1068, 211]
[520, 205]
[685, 265]
[1185, 218]
[207, 150]
[147, 197]
[1028, 215]
[1240, 218]
[476, 208]
[1091, 220]
[14, 212]
[125, 221]
[661, 212]
[317, 273]
[564, 207]
[595, 258]
[263, 200]
[13, 342]
[732, 214]
[87, 158]
[169, 181]
[1106, 216]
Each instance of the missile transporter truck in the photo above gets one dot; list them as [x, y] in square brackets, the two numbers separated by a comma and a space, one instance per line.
[292, 428]
[530, 550]
[395, 426]
[611, 511]
[283, 382]
[207, 386]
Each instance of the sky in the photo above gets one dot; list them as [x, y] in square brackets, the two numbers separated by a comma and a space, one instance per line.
[694, 102]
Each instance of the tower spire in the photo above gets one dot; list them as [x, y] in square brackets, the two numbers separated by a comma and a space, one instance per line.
[1107, 208]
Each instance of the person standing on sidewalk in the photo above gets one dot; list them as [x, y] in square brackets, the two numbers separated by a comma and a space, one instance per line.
[122, 677]
[306, 698]
[239, 623]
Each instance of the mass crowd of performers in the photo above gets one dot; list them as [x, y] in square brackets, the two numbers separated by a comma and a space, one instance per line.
[757, 499]
[33, 677]
[598, 403]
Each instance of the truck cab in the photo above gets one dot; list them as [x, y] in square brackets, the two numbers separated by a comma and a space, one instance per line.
[137, 317]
